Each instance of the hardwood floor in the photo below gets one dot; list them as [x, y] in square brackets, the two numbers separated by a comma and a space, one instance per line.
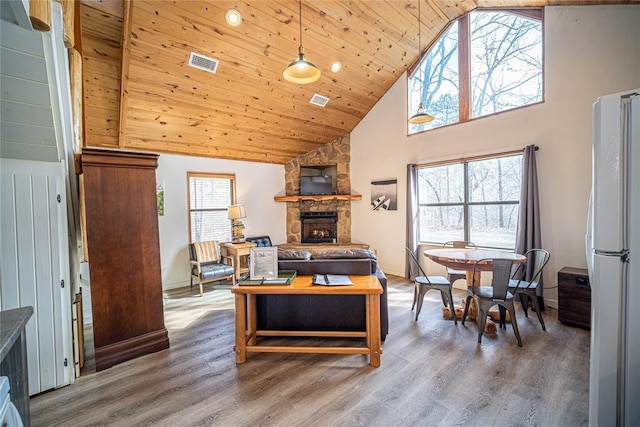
[433, 373]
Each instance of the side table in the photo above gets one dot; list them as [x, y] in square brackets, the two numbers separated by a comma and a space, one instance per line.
[240, 253]
[574, 297]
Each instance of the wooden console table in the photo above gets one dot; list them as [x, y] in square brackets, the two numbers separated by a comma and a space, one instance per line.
[240, 253]
[246, 318]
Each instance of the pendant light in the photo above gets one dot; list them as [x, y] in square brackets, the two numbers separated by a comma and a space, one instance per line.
[301, 71]
[421, 116]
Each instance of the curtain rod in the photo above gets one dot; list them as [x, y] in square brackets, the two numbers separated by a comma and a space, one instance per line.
[474, 158]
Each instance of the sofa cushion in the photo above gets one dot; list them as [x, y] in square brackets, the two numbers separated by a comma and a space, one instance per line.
[349, 254]
[344, 254]
[293, 254]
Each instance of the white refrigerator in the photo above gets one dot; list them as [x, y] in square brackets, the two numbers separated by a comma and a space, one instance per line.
[613, 260]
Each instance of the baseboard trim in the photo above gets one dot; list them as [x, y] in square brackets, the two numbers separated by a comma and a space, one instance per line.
[119, 352]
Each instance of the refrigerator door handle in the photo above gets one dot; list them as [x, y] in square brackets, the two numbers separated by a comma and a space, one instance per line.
[623, 254]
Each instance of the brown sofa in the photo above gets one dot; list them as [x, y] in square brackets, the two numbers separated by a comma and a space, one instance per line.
[323, 312]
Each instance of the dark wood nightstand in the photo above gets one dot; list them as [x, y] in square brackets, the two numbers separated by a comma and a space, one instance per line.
[574, 297]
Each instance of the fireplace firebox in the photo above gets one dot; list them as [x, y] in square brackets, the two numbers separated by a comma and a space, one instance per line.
[319, 227]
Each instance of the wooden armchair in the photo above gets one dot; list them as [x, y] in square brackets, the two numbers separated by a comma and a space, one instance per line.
[209, 265]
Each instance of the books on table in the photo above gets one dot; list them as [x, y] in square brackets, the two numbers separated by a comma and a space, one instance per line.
[331, 280]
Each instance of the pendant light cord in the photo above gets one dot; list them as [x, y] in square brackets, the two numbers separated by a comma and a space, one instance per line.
[300, 23]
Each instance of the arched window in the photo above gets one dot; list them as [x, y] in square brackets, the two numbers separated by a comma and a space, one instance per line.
[484, 63]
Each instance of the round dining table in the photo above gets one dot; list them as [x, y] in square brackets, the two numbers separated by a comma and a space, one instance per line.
[464, 259]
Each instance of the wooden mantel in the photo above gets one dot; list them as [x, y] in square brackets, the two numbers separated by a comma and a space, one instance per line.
[347, 197]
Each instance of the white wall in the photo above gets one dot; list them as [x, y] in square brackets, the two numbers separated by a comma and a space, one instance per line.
[256, 184]
[589, 51]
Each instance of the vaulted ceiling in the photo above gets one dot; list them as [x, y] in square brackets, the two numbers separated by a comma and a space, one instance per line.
[246, 110]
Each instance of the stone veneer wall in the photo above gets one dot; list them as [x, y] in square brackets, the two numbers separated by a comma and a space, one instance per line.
[336, 153]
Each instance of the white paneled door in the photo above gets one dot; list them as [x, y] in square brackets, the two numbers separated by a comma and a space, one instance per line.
[35, 266]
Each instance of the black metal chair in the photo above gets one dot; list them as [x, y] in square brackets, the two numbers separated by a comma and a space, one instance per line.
[424, 283]
[498, 293]
[527, 290]
[453, 275]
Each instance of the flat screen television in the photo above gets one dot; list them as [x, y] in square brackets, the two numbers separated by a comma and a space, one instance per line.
[316, 185]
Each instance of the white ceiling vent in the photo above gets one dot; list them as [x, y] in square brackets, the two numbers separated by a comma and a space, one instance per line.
[202, 62]
[319, 100]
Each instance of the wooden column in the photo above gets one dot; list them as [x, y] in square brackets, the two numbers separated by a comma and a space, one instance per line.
[77, 100]
[124, 255]
[40, 14]
[68, 17]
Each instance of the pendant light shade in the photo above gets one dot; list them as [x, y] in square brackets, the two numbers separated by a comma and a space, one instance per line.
[421, 116]
[300, 70]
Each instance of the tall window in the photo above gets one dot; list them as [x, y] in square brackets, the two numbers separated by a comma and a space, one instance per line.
[486, 62]
[476, 201]
[209, 197]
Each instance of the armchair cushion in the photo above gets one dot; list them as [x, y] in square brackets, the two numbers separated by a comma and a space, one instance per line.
[206, 251]
[214, 270]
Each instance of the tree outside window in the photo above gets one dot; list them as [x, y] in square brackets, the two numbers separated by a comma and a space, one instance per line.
[475, 201]
[502, 69]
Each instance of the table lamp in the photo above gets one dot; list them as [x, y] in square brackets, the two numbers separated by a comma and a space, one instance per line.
[237, 227]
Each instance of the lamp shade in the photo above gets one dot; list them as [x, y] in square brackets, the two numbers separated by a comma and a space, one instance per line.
[420, 117]
[237, 212]
[301, 71]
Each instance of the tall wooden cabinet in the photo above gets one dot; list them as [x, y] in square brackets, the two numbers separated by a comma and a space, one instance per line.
[124, 254]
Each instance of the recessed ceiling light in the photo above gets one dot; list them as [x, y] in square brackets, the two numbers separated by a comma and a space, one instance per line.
[233, 17]
[336, 66]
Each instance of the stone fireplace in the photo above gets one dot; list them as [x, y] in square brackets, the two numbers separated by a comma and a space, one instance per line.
[335, 153]
[319, 227]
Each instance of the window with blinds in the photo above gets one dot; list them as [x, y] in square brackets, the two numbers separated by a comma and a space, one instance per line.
[209, 197]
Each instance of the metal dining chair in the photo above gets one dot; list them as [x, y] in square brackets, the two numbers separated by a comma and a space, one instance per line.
[498, 293]
[527, 290]
[424, 283]
[452, 274]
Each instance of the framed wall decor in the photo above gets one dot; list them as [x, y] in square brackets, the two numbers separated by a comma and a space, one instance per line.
[263, 263]
[384, 195]
[160, 198]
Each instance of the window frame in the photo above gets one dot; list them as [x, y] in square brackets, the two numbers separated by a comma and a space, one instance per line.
[466, 203]
[212, 175]
[464, 64]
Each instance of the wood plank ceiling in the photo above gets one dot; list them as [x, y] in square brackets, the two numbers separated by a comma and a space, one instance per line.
[246, 110]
